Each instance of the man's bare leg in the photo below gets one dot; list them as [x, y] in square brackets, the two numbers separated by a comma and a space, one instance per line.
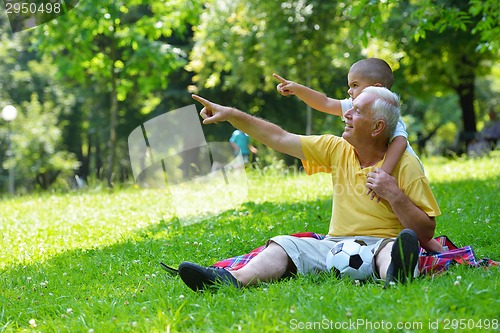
[383, 260]
[269, 265]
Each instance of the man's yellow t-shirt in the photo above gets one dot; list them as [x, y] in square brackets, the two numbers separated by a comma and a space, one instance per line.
[353, 212]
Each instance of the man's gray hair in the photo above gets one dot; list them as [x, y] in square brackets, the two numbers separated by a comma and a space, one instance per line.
[386, 107]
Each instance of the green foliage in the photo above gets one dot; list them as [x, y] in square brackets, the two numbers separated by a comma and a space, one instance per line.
[241, 43]
[436, 48]
[121, 52]
[37, 145]
[39, 154]
[117, 40]
[444, 46]
[479, 18]
[108, 66]
[88, 261]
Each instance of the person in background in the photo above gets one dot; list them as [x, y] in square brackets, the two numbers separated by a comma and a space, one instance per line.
[240, 142]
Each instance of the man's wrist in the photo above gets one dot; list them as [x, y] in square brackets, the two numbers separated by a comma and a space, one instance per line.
[397, 199]
[235, 116]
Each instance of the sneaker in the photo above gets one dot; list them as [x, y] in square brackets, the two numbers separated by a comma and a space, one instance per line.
[404, 258]
[199, 278]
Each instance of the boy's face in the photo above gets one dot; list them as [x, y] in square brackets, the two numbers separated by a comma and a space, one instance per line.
[357, 83]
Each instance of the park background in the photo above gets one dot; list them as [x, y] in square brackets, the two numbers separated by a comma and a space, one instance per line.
[83, 82]
[86, 259]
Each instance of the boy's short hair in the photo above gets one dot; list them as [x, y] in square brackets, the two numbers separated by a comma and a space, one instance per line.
[375, 70]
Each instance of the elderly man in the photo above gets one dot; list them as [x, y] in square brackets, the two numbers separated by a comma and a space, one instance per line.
[391, 228]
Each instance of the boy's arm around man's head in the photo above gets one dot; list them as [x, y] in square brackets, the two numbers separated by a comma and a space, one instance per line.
[394, 152]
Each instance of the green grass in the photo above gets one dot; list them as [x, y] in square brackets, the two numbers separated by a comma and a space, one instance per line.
[88, 262]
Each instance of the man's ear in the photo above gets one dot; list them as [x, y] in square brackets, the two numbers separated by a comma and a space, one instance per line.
[378, 127]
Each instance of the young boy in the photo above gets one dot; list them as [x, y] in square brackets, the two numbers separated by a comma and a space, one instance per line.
[364, 73]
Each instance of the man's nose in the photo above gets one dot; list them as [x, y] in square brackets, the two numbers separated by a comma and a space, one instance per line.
[348, 113]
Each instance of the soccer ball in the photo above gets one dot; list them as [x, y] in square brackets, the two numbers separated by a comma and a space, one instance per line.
[351, 258]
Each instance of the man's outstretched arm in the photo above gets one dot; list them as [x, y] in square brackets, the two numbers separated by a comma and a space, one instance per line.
[261, 130]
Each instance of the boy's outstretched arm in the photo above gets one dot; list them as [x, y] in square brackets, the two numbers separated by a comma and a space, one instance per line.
[311, 97]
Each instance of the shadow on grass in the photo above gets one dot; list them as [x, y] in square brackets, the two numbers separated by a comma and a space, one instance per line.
[104, 280]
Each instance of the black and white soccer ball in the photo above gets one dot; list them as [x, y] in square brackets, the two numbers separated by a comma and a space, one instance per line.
[351, 258]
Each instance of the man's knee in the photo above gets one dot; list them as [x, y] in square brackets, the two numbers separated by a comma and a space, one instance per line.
[280, 253]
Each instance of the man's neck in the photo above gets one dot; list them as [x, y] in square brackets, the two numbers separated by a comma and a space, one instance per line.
[369, 156]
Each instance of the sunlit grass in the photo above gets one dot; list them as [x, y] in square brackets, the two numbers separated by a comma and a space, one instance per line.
[88, 261]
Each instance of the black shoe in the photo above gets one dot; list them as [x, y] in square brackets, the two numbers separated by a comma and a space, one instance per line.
[404, 258]
[199, 278]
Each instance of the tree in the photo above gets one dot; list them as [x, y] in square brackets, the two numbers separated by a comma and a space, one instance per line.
[39, 155]
[39, 158]
[435, 47]
[446, 44]
[119, 49]
[239, 44]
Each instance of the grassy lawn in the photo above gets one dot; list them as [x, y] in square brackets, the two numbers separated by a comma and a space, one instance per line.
[88, 262]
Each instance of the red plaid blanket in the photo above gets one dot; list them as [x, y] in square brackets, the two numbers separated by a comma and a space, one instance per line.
[433, 263]
[429, 263]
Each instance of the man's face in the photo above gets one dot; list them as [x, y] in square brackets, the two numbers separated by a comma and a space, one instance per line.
[356, 83]
[358, 120]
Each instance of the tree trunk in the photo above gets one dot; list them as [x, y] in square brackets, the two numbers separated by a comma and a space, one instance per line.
[466, 95]
[465, 91]
[112, 132]
[113, 111]
[422, 140]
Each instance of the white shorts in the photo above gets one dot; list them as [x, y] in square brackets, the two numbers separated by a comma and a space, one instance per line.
[309, 254]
